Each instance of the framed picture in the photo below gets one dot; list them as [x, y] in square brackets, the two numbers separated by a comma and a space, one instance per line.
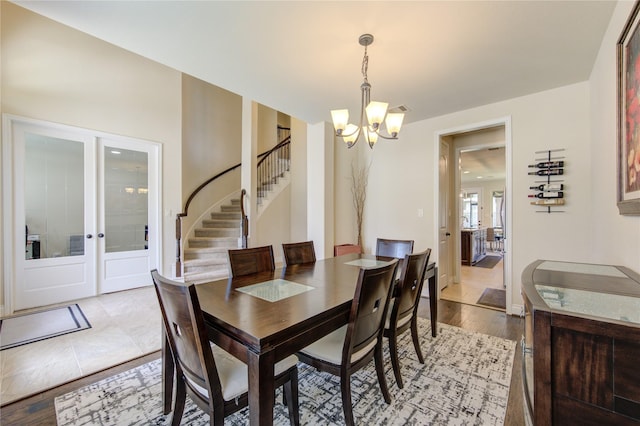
[628, 67]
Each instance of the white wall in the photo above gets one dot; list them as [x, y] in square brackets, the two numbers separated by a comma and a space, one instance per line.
[211, 143]
[615, 238]
[299, 176]
[401, 180]
[54, 73]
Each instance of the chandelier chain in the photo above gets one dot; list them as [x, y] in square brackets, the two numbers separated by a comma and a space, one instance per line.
[365, 65]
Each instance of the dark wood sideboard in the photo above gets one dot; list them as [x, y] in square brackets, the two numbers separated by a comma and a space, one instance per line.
[581, 344]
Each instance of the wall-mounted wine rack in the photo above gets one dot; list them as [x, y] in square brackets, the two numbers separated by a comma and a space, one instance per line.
[550, 192]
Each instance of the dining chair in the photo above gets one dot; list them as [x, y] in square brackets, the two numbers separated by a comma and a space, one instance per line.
[214, 379]
[342, 249]
[251, 260]
[351, 347]
[298, 253]
[403, 313]
[393, 248]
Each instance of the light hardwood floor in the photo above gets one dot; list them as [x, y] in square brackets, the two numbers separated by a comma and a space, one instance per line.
[473, 281]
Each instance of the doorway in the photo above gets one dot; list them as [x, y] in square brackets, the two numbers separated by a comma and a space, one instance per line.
[85, 213]
[479, 203]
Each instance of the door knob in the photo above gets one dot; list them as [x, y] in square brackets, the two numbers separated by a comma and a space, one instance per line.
[101, 235]
[448, 234]
[89, 236]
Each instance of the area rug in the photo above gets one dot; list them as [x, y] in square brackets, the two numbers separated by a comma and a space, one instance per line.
[465, 380]
[493, 297]
[40, 325]
[488, 261]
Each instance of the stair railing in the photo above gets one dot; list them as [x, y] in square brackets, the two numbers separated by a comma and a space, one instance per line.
[273, 165]
[281, 151]
[185, 212]
[244, 224]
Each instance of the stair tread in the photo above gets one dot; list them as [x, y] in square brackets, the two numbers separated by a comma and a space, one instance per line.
[205, 276]
[206, 261]
[213, 250]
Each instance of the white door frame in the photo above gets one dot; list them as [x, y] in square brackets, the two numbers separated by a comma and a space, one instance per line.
[506, 122]
[9, 232]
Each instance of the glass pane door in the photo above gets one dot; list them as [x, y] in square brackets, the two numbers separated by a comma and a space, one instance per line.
[53, 197]
[126, 200]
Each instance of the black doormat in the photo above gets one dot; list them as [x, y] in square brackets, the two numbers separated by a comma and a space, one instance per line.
[493, 297]
[488, 262]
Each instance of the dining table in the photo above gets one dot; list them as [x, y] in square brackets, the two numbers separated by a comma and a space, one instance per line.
[263, 318]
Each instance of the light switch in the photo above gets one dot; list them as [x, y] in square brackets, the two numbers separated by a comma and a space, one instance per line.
[420, 212]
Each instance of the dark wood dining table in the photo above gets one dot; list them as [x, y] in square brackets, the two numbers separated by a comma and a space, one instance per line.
[244, 317]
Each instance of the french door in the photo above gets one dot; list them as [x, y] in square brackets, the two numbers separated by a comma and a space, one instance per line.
[84, 219]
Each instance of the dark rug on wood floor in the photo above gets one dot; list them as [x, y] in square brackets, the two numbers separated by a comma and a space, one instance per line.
[488, 261]
[493, 297]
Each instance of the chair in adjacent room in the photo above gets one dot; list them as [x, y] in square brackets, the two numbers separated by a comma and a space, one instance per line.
[403, 313]
[251, 260]
[352, 346]
[298, 253]
[393, 248]
[491, 238]
[214, 379]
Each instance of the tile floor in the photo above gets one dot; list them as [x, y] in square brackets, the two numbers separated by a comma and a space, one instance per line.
[125, 325]
[473, 281]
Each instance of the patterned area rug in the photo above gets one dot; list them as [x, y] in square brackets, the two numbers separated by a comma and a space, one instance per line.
[464, 381]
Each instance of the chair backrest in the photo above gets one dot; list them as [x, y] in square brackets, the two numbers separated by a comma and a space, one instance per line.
[251, 260]
[409, 286]
[297, 253]
[342, 249]
[369, 309]
[394, 248]
[187, 335]
[491, 234]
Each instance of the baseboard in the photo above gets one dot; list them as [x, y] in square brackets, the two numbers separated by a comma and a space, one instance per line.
[517, 310]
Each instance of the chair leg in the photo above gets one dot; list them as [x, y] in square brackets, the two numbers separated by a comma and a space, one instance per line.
[181, 396]
[395, 362]
[291, 397]
[347, 408]
[380, 370]
[415, 338]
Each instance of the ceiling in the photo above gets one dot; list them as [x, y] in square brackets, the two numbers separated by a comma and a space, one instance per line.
[303, 58]
[482, 164]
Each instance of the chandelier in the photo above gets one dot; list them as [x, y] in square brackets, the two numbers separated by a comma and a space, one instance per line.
[375, 112]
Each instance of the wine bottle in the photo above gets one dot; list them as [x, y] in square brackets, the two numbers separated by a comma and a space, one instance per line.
[558, 194]
[549, 187]
[548, 172]
[548, 164]
[549, 202]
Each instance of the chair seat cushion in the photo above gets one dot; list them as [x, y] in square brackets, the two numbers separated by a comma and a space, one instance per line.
[233, 373]
[401, 321]
[329, 348]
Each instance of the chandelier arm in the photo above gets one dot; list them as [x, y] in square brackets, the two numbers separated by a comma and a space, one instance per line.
[387, 137]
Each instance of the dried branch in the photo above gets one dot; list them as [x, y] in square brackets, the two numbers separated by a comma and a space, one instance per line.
[359, 179]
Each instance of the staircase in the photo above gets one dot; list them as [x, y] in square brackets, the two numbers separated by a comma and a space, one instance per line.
[206, 257]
